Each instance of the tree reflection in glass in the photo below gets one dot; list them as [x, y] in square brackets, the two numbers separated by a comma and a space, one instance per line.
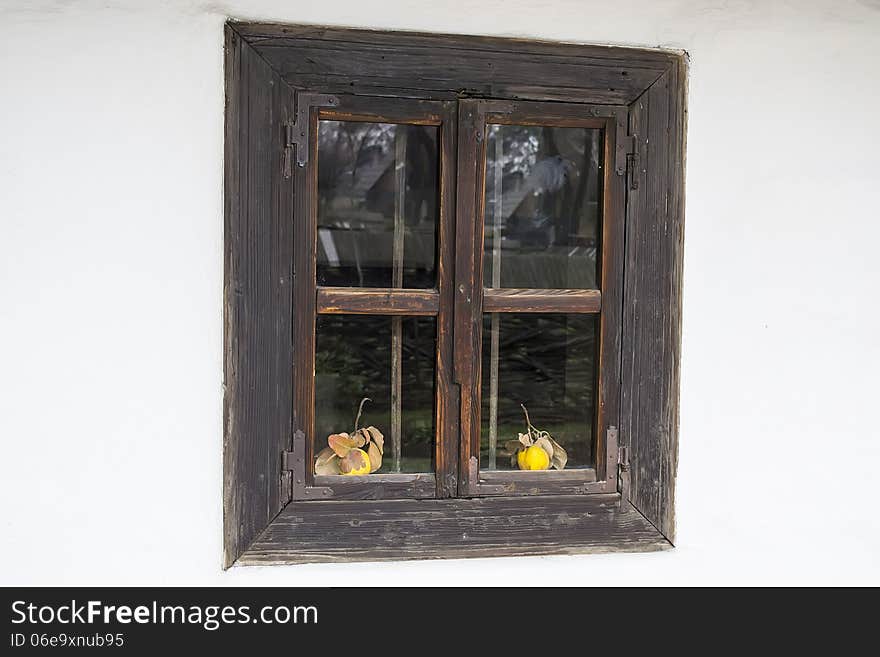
[542, 207]
[546, 362]
[377, 204]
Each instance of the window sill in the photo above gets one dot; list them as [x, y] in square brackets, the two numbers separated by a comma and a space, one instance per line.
[390, 530]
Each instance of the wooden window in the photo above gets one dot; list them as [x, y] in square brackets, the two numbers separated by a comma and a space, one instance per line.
[541, 260]
[373, 291]
[483, 238]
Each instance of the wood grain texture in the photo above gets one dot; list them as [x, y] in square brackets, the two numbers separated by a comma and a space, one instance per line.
[380, 486]
[376, 301]
[257, 296]
[577, 475]
[434, 65]
[454, 528]
[446, 413]
[515, 300]
[304, 302]
[581, 481]
[468, 285]
[652, 300]
[612, 258]
[377, 109]
[676, 155]
[559, 115]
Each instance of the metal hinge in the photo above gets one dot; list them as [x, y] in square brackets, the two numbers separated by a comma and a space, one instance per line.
[632, 161]
[623, 473]
[296, 132]
[294, 462]
[626, 161]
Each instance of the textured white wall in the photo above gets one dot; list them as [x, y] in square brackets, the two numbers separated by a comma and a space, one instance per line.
[111, 145]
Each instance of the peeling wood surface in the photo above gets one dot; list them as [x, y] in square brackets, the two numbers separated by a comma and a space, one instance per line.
[380, 486]
[430, 529]
[257, 296]
[446, 414]
[468, 301]
[579, 481]
[652, 300]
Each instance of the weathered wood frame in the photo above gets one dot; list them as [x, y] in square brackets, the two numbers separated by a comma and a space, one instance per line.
[267, 68]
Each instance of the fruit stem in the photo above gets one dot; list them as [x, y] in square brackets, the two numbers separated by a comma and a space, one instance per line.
[360, 410]
[529, 426]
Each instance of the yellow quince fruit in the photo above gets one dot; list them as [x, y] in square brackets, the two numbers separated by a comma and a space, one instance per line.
[533, 458]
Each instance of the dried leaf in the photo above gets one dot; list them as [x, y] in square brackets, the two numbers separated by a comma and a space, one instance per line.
[360, 438]
[512, 447]
[327, 462]
[324, 455]
[525, 439]
[352, 462]
[546, 444]
[341, 443]
[559, 458]
[375, 457]
[377, 437]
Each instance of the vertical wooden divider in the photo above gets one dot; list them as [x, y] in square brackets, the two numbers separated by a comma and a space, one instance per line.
[447, 394]
[397, 283]
[494, 335]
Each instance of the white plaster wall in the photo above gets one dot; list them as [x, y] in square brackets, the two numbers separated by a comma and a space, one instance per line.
[111, 144]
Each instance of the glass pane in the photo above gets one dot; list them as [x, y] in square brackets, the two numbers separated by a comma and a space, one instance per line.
[542, 207]
[355, 358]
[377, 205]
[547, 363]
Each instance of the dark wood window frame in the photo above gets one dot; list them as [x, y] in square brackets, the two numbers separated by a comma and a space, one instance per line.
[279, 80]
[477, 297]
[311, 301]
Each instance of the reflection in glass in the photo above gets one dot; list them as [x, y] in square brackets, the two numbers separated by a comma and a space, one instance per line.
[542, 207]
[354, 358]
[377, 204]
[548, 363]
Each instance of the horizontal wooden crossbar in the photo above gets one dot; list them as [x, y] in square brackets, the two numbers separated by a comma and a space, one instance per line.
[508, 300]
[376, 301]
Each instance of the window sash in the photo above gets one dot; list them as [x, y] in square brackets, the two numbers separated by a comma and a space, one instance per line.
[310, 300]
[477, 297]
[457, 388]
